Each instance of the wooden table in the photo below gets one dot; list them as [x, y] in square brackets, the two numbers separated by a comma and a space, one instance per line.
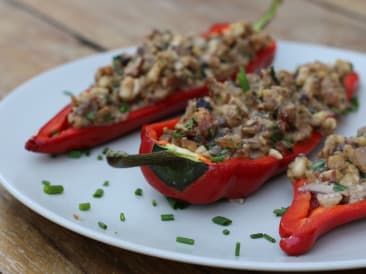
[36, 35]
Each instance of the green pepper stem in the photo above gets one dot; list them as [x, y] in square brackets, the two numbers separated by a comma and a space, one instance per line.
[270, 13]
[123, 160]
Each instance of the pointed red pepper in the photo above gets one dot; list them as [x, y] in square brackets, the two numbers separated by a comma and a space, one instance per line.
[233, 178]
[186, 176]
[303, 223]
[58, 136]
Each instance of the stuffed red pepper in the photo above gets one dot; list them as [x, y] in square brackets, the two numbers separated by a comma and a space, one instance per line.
[166, 71]
[228, 144]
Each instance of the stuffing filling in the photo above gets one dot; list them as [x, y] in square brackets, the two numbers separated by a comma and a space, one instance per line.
[166, 62]
[278, 110]
[339, 176]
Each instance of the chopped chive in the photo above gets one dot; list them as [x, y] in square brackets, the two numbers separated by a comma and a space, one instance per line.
[167, 217]
[87, 152]
[124, 107]
[339, 187]
[53, 189]
[105, 150]
[106, 183]
[98, 193]
[226, 232]
[122, 217]
[46, 183]
[154, 203]
[280, 211]
[216, 159]
[237, 249]
[269, 238]
[320, 164]
[178, 135]
[138, 192]
[68, 93]
[90, 115]
[177, 204]
[256, 235]
[100, 157]
[75, 154]
[242, 79]
[102, 225]
[220, 220]
[84, 206]
[184, 240]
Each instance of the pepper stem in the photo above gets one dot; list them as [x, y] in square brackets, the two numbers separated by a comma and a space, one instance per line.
[262, 22]
[123, 160]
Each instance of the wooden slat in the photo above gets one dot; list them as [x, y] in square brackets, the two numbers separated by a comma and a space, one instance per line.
[355, 8]
[28, 46]
[115, 24]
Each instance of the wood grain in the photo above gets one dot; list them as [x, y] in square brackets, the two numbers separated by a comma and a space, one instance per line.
[28, 47]
[36, 35]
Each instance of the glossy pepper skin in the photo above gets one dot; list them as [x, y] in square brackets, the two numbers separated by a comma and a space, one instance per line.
[303, 223]
[233, 178]
[57, 135]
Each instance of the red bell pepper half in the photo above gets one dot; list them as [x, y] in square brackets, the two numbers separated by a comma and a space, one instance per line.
[58, 136]
[180, 174]
[303, 223]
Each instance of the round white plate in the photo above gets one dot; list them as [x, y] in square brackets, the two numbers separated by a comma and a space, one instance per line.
[21, 172]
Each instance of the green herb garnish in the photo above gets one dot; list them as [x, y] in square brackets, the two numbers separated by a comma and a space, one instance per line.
[138, 192]
[280, 211]
[102, 225]
[226, 232]
[98, 193]
[216, 159]
[167, 217]
[46, 183]
[75, 154]
[100, 157]
[84, 206]
[124, 107]
[106, 183]
[256, 235]
[105, 150]
[184, 240]
[122, 217]
[53, 189]
[242, 79]
[269, 238]
[178, 135]
[90, 115]
[318, 165]
[220, 220]
[237, 249]
[338, 187]
[68, 93]
[154, 203]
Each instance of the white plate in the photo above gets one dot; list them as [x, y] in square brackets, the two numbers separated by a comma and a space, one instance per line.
[21, 172]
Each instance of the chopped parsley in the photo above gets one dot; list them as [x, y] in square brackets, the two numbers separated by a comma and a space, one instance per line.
[75, 154]
[98, 193]
[138, 192]
[220, 220]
